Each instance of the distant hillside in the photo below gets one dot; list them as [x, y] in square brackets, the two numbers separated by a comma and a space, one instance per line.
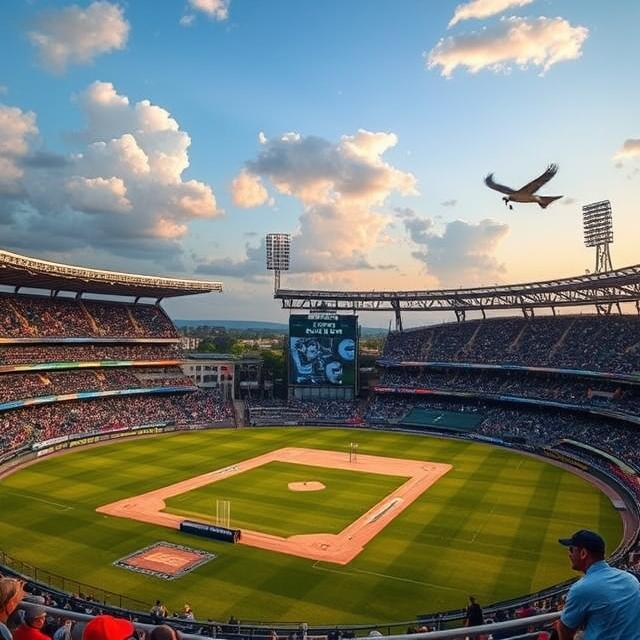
[260, 325]
[235, 324]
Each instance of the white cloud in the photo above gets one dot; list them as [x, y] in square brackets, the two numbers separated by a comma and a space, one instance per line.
[187, 20]
[122, 192]
[16, 128]
[74, 35]
[540, 42]
[484, 9]
[340, 185]
[98, 195]
[629, 149]
[216, 9]
[248, 191]
[462, 254]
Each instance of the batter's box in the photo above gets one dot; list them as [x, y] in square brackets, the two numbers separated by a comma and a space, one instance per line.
[165, 560]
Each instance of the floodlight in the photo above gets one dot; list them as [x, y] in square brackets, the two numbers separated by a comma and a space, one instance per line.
[278, 254]
[598, 232]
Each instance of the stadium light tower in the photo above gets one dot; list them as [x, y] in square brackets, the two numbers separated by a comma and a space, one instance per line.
[598, 232]
[278, 248]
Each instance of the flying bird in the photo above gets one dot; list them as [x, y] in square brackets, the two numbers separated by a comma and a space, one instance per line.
[528, 192]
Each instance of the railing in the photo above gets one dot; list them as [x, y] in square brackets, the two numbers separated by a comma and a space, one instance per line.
[532, 626]
[69, 586]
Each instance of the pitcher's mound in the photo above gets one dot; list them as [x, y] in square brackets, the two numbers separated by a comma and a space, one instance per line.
[310, 485]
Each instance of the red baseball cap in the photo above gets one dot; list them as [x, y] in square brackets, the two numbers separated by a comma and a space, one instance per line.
[108, 628]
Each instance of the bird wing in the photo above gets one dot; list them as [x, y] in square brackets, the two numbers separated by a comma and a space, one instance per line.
[497, 187]
[534, 185]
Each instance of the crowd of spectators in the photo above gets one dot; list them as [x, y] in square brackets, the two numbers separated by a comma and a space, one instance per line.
[590, 343]
[14, 354]
[39, 316]
[29, 425]
[535, 427]
[21, 386]
[537, 386]
[274, 412]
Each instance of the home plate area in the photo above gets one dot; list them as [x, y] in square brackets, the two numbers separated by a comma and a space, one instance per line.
[165, 560]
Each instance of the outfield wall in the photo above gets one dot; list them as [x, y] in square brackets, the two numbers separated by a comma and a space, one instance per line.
[29, 454]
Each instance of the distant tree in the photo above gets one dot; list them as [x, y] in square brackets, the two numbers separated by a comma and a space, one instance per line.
[224, 343]
[274, 365]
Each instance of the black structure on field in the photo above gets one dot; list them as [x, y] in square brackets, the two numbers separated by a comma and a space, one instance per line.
[205, 530]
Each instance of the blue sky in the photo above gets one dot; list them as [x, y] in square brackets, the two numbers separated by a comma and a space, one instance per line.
[339, 131]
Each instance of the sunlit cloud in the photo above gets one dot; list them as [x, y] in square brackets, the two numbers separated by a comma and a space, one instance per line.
[247, 191]
[341, 187]
[75, 35]
[16, 129]
[122, 192]
[481, 9]
[526, 42]
[462, 253]
[215, 9]
[630, 149]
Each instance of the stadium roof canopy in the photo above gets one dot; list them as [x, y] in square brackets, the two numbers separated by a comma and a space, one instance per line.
[22, 271]
[602, 290]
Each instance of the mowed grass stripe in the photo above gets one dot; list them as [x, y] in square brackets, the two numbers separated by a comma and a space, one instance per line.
[424, 560]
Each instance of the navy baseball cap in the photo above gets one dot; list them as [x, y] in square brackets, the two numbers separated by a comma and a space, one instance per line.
[585, 539]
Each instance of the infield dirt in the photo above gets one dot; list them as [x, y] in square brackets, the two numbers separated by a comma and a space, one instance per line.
[338, 548]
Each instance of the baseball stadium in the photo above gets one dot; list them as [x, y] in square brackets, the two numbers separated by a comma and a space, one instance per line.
[483, 441]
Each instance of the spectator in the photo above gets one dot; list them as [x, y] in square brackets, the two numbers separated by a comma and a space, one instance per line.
[159, 610]
[165, 632]
[606, 601]
[31, 629]
[104, 627]
[474, 616]
[63, 632]
[11, 593]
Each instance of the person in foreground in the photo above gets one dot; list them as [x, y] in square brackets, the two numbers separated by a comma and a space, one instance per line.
[606, 601]
[11, 593]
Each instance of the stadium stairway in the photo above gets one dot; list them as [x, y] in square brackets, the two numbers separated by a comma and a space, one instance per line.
[239, 413]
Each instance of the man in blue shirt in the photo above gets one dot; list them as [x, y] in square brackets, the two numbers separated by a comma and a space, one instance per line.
[606, 601]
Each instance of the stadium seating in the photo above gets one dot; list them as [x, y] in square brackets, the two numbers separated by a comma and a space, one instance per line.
[14, 354]
[39, 316]
[591, 343]
[273, 412]
[81, 327]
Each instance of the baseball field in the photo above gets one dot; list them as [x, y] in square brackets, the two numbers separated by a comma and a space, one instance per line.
[487, 523]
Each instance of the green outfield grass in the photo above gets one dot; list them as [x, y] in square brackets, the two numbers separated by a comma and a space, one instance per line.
[489, 527]
[261, 500]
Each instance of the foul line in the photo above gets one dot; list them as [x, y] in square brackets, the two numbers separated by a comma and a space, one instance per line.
[355, 572]
[484, 524]
[66, 507]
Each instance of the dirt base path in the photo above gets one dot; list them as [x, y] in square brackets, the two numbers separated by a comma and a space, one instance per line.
[338, 548]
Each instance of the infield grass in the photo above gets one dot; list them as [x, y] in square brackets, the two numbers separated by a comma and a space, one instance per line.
[261, 500]
[488, 527]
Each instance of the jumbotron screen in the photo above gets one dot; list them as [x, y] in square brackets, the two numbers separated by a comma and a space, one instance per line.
[323, 350]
